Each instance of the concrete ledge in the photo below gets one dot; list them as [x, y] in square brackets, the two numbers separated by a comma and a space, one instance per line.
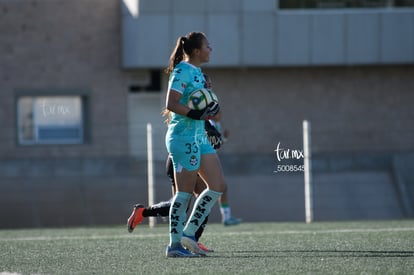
[70, 192]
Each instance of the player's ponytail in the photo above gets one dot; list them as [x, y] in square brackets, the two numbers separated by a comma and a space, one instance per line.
[177, 54]
[184, 46]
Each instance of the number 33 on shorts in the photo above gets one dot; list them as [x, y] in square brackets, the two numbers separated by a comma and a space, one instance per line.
[192, 149]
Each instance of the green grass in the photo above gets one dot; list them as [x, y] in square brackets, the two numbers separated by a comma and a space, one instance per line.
[380, 247]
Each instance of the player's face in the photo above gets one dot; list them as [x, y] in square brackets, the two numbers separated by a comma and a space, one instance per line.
[205, 51]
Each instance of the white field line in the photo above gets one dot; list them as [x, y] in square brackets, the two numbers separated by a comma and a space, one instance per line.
[327, 231]
[230, 233]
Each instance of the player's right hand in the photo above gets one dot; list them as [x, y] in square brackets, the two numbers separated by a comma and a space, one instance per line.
[211, 110]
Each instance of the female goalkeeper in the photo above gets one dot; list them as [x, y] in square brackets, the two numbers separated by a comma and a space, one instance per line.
[186, 143]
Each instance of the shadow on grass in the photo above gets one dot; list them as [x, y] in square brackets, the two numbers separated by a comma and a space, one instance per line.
[315, 253]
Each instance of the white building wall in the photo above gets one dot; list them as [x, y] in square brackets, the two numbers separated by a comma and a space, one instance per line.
[246, 34]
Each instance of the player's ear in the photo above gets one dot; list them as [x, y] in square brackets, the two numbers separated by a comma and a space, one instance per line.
[196, 52]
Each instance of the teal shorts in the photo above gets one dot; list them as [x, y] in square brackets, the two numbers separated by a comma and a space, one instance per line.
[186, 151]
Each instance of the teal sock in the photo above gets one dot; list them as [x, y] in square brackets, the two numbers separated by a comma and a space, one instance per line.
[201, 209]
[178, 216]
[225, 211]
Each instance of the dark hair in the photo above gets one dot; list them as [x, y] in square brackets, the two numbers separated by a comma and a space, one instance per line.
[185, 45]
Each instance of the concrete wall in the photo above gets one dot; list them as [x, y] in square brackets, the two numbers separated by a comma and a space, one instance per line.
[351, 109]
[69, 191]
[246, 33]
[358, 109]
[66, 47]
[76, 192]
[73, 49]
[75, 46]
[59, 46]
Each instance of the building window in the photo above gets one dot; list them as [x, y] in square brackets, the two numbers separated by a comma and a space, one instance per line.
[334, 4]
[147, 81]
[50, 120]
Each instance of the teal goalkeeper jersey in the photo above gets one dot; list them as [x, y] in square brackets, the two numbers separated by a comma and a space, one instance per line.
[185, 79]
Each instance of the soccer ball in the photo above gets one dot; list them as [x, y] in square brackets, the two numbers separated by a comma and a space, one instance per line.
[199, 99]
